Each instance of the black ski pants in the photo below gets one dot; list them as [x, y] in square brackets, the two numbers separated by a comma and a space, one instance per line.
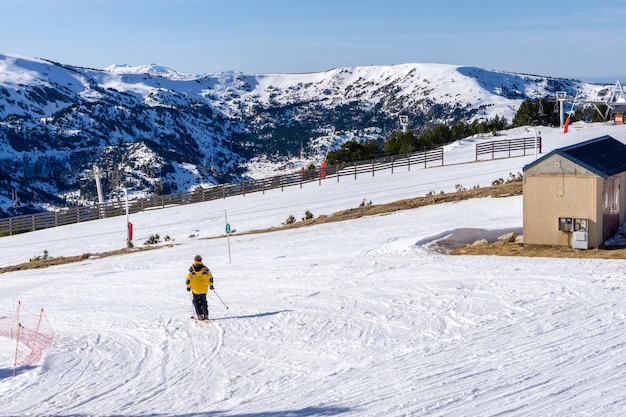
[201, 305]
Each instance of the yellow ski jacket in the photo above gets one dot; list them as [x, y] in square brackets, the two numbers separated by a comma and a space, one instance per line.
[199, 278]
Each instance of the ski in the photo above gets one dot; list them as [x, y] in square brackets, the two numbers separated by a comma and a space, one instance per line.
[194, 318]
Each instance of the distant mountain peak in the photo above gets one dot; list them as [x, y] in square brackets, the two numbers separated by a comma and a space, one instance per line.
[151, 69]
[151, 127]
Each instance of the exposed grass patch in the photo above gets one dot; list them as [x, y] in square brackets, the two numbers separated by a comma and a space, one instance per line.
[501, 249]
[61, 260]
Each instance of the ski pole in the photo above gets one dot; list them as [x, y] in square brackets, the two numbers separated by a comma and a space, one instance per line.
[193, 307]
[220, 298]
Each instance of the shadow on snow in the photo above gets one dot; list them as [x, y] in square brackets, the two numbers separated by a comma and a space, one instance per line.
[303, 412]
[251, 316]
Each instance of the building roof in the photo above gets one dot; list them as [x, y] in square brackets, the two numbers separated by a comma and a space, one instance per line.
[618, 108]
[604, 156]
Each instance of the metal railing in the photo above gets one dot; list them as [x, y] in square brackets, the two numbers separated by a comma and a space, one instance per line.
[37, 221]
[510, 146]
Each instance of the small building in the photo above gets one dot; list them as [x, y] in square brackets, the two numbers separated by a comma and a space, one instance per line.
[572, 196]
[618, 114]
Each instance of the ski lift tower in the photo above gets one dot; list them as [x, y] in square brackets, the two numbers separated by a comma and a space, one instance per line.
[404, 122]
[561, 97]
[617, 94]
[97, 173]
[617, 97]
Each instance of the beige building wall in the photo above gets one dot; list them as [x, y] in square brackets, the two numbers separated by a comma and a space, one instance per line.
[555, 188]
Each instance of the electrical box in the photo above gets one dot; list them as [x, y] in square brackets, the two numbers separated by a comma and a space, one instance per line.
[580, 240]
[566, 224]
[579, 229]
[580, 225]
[573, 224]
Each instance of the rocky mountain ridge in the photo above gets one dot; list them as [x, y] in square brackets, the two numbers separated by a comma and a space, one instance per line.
[152, 129]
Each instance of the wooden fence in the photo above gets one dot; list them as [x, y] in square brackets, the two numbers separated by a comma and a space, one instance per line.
[509, 146]
[37, 221]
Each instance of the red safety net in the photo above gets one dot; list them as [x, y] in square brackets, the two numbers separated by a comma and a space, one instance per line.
[32, 334]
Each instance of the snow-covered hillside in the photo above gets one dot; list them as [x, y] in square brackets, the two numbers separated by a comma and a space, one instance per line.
[57, 121]
[357, 318]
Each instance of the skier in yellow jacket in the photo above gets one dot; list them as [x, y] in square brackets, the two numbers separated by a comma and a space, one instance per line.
[199, 281]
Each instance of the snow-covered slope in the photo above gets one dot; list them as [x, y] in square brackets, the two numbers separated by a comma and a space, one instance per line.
[356, 318]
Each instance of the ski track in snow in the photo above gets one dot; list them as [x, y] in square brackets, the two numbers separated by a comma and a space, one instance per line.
[461, 335]
[354, 319]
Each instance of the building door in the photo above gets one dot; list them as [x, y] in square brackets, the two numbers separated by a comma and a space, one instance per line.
[610, 218]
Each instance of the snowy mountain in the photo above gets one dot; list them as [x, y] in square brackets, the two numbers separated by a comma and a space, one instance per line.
[152, 128]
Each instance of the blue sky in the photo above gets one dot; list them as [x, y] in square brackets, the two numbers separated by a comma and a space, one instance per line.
[572, 39]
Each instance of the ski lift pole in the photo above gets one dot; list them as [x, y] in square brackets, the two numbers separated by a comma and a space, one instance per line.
[129, 225]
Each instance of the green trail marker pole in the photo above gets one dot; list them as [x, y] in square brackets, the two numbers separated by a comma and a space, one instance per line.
[227, 235]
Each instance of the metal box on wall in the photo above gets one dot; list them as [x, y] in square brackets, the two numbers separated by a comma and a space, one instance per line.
[580, 240]
[566, 224]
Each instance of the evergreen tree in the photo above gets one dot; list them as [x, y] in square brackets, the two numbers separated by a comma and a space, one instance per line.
[402, 142]
[354, 151]
[526, 114]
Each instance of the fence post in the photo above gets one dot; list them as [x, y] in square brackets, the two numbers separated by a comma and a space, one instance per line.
[17, 337]
[104, 210]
